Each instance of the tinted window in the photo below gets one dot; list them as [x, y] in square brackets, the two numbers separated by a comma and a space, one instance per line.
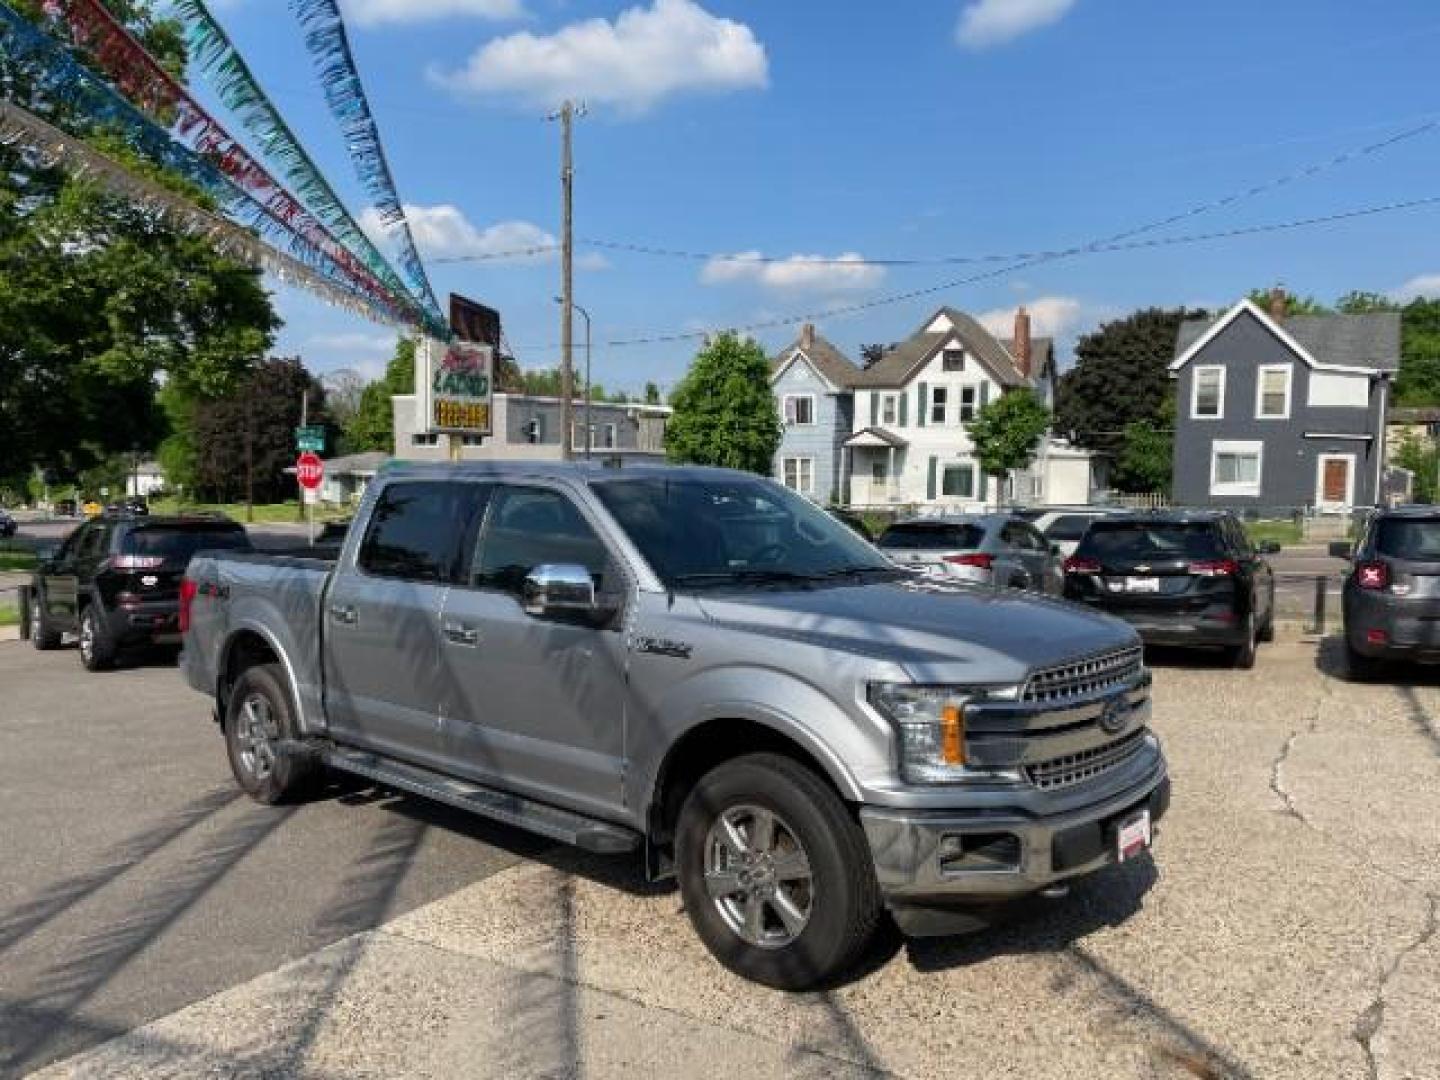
[917, 535]
[726, 527]
[1068, 527]
[415, 530]
[1154, 540]
[1409, 538]
[177, 543]
[530, 527]
[1023, 538]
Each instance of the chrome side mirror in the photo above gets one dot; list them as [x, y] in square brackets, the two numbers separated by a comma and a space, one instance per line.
[559, 590]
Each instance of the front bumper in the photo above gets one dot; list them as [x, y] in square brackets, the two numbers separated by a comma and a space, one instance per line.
[1007, 855]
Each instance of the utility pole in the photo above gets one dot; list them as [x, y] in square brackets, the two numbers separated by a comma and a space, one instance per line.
[299, 487]
[566, 115]
[250, 455]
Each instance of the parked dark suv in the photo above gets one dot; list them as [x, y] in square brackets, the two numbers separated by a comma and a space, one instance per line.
[1392, 594]
[1180, 578]
[115, 582]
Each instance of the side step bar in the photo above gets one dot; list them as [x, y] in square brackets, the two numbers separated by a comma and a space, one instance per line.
[551, 821]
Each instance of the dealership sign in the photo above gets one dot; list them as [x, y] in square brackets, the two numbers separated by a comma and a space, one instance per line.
[453, 386]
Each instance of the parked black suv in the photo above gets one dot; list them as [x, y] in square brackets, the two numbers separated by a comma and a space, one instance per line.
[116, 582]
[1392, 594]
[1180, 578]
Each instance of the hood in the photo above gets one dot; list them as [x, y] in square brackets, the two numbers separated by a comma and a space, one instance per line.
[938, 631]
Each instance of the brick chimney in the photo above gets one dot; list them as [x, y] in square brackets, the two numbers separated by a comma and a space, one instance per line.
[1021, 343]
[1279, 303]
[807, 336]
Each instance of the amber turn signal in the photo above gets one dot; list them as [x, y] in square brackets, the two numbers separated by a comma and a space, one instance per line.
[952, 735]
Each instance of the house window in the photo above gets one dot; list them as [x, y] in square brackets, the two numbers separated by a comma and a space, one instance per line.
[421, 438]
[1208, 399]
[798, 474]
[953, 360]
[889, 409]
[968, 395]
[1235, 468]
[939, 397]
[958, 481]
[800, 410]
[1272, 392]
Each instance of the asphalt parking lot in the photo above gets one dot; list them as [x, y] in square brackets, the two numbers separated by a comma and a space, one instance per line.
[1286, 927]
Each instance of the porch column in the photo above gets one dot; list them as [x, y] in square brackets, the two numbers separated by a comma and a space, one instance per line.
[842, 482]
[890, 486]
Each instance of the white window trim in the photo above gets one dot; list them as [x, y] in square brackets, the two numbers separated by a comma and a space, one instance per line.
[1237, 488]
[959, 465]
[784, 463]
[785, 410]
[1260, 414]
[945, 408]
[973, 389]
[890, 403]
[944, 353]
[1195, 391]
[1320, 459]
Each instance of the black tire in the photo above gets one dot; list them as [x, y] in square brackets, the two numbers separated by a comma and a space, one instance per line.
[1267, 629]
[267, 775]
[1242, 656]
[97, 648]
[1360, 668]
[41, 635]
[844, 903]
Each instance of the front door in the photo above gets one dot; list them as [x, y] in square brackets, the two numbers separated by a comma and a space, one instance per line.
[539, 704]
[382, 638]
[1337, 479]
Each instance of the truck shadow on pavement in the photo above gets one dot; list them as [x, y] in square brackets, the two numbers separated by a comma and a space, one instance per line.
[1404, 679]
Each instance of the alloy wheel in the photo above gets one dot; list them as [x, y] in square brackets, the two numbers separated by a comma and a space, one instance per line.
[758, 876]
[255, 737]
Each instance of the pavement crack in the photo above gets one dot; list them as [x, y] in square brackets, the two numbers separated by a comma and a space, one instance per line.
[1372, 1017]
[1277, 774]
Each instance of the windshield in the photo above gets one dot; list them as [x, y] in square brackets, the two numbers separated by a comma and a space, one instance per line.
[1150, 540]
[728, 529]
[1409, 538]
[178, 542]
[914, 535]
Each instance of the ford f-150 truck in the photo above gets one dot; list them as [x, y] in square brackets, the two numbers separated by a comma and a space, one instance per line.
[703, 666]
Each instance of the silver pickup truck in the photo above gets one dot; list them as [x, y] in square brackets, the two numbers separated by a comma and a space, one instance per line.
[702, 666]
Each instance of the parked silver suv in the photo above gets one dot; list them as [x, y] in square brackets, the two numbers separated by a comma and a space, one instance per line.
[703, 666]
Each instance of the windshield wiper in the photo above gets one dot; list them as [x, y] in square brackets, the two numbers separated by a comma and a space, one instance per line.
[744, 576]
[859, 571]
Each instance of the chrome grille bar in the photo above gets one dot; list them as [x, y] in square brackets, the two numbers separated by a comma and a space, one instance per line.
[1092, 675]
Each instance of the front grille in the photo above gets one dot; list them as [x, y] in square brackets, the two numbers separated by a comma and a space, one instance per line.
[1093, 675]
[1063, 772]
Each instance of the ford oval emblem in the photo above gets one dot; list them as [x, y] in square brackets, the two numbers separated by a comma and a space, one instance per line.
[1115, 716]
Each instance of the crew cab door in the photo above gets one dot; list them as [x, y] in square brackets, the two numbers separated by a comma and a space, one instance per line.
[381, 640]
[538, 704]
[71, 570]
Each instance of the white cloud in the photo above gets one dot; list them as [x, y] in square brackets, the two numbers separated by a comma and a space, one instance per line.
[353, 342]
[646, 55]
[443, 232]
[1050, 316]
[376, 12]
[994, 22]
[1426, 285]
[817, 273]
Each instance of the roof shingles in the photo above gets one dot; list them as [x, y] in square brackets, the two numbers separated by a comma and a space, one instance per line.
[1370, 340]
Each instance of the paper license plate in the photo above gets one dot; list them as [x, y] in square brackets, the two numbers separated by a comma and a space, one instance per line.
[1142, 584]
[1133, 836]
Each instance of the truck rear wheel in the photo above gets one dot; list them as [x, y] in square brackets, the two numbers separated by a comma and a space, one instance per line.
[776, 875]
[259, 723]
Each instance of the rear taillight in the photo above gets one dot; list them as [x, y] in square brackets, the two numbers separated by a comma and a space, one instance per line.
[984, 562]
[1215, 568]
[137, 562]
[1372, 575]
[1076, 565]
[188, 589]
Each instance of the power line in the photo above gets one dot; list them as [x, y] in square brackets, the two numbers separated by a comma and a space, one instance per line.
[1032, 259]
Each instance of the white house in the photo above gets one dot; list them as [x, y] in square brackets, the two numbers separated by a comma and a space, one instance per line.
[910, 443]
[145, 479]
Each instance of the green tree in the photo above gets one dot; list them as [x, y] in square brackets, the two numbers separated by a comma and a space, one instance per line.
[1357, 302]
[724, 411]
[1422, 457]
[1146, 462]
[1007, 431]
[1419, 379]
[1294, 305]
[1121, 375]
[372, 427]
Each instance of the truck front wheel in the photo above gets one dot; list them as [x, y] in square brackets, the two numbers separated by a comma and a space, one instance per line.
[775, 873]
[259, 724]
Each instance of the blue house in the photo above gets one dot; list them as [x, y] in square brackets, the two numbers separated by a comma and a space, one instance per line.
[812, 381]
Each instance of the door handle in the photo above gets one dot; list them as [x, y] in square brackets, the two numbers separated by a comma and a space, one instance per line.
[344, 613]
[460, 634]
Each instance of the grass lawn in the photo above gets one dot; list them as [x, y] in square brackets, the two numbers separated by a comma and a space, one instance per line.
[9, 615]
[1282, 532]
[17, 560]
[265, 513]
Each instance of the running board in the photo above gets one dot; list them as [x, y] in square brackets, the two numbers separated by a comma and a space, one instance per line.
[551, 821]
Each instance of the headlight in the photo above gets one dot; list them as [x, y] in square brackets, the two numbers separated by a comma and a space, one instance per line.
[930, 724]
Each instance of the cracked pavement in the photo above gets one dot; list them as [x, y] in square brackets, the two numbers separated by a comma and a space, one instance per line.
[1287, 927]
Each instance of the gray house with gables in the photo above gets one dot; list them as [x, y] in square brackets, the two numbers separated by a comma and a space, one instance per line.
[812, 381]
[1282, 413]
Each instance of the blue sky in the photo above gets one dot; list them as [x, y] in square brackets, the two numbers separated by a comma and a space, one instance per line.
[846, 128]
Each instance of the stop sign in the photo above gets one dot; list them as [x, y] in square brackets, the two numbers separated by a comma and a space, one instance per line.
[309, 470]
